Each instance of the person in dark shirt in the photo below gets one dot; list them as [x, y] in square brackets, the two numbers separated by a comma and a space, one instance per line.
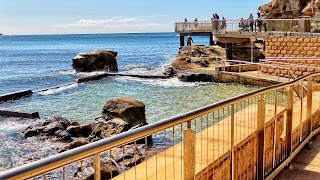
[189, 40]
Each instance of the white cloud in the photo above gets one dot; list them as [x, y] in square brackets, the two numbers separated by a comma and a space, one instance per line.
[88, 26]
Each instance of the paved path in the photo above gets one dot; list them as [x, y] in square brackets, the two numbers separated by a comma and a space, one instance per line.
[306, 165]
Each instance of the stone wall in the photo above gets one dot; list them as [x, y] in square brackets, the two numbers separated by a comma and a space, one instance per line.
[292, 47]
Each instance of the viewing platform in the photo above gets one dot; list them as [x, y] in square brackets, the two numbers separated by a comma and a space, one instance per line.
[237, 31]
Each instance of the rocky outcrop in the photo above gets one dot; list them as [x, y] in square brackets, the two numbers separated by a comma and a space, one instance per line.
[53, 128]
[118, 115]
[289, 9]
[196, 60]
[97, 60]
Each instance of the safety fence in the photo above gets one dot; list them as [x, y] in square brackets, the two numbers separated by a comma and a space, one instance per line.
[283, 27]
[252, 136]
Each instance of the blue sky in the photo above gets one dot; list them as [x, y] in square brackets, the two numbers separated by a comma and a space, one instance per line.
[112, 16]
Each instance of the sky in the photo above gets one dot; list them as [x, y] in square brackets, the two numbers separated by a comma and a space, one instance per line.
[113, 16]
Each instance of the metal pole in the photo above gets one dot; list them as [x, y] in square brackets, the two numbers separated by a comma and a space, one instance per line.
[189, 153]
[97, 173]
[309, 105]
[260, 135]
[232, 143]
[251, 50]
[289, 121]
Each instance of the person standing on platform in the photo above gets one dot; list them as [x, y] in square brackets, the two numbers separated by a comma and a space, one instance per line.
[185, 24]
[189, 40]
[195, 23]
[216, 22]
[223, 23]
[251, 22]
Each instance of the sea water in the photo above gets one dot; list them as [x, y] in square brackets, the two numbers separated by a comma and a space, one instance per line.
[42, 61]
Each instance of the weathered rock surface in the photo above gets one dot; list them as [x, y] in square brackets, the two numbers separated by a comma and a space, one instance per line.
[97, 60]
[118, 115]
[289, 9]
[54, 128]
[127, 109]
[242, 51]
[195, 60]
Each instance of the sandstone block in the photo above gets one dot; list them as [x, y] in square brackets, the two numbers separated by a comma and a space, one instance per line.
[303, 69]
[307, 40]
[314, 48]
[306, 48]
[296, 52]
[318, 40]
[317, 53]
[314, 40]
[271, 51]
[310, 44]
[286, 39]
[305, 73]
[274, 40]
[310, 70]
[293, 48]
[270, 43]
[310, 61]
[310, 53]
[299, 48]
[303, 52]
[277, 44]
[277, 51]
[286, 55]
[283, 44]
[289, 44]
[296, 44]
[303, 44]
[270, 71]
[295, 68]
[284, 52]
[293, 40]
[274, 48]
[300, 40]
[280, 55]
[280, 39]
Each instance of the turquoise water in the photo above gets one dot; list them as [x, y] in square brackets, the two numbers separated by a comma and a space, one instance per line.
[37, 62]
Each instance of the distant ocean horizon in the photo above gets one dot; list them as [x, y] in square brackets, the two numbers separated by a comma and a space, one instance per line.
[42, 61]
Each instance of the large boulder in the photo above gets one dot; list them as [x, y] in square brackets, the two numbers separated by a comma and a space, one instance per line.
[97, 60]
[198, 61]
[289, 9]
[129, 110]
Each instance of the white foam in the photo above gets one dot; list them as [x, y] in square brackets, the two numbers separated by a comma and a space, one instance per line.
[171, 82]
[57, 90]
[67, 72]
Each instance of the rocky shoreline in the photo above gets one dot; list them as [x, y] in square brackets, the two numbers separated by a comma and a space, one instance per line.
[118, 115]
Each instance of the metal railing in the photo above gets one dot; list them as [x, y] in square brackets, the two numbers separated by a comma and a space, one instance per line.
[240, 64]
[252, 136]
[286, 27]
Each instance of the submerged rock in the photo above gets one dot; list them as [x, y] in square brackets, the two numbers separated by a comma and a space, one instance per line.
[97, 60]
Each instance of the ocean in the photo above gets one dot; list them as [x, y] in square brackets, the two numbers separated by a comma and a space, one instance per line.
[41, 61]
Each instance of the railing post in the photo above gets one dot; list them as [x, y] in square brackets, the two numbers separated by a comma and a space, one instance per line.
[232, 143]
[260, 138]
[309, 104]
[189, 153]
[97, 175]
[289, 121]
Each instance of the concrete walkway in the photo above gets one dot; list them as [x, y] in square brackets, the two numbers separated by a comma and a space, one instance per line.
[306, 165]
